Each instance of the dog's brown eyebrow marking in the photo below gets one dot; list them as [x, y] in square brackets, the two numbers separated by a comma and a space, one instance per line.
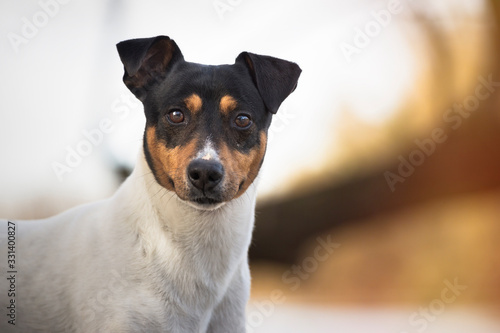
[193, 103]
[227, 104]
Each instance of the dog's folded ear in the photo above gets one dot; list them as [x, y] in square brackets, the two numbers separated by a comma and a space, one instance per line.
[146, 61]
[274, 78]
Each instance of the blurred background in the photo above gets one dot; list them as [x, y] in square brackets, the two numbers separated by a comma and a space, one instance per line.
[379, 205]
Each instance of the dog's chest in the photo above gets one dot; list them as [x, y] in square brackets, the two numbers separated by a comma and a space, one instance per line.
[175, 285]
[150, 300]
[147, 310]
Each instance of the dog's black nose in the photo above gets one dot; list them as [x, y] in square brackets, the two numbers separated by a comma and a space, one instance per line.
[205, 174]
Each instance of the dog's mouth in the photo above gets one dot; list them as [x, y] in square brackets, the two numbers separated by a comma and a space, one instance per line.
[205, 203]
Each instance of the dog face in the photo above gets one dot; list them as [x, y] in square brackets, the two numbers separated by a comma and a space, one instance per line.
[206, 126]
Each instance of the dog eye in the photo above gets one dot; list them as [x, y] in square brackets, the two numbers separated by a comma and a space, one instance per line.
[176, 116]
[243, 121]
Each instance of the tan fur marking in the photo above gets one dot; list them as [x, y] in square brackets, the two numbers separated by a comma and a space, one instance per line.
[170, 163]
[194, 103]
[227, 104]
[243, 167]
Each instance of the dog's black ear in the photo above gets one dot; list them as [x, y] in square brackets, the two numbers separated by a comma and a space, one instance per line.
[275, 78]
[146, 61]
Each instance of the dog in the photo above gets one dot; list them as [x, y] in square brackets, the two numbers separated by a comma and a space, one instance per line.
[168, 252]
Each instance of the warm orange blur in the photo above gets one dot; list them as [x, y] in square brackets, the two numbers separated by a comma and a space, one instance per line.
[415, 204]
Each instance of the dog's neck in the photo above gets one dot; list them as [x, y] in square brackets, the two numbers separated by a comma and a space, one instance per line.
[210, 243]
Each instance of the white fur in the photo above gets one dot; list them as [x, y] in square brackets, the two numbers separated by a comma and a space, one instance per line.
[208, 152]
[140, 261]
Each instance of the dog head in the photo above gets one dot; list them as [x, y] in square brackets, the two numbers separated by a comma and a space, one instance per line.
[206, 126]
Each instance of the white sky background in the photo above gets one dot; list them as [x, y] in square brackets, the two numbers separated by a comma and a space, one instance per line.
[65, 79]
